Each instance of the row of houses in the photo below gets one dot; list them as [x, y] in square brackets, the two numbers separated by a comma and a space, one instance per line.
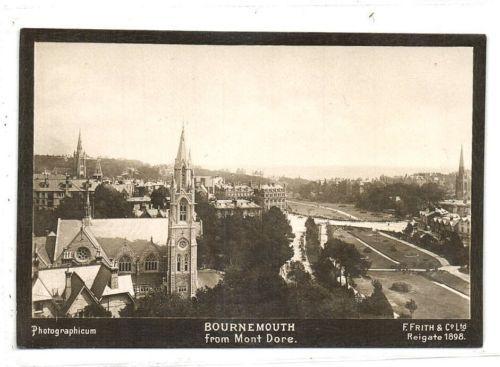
[441, 222]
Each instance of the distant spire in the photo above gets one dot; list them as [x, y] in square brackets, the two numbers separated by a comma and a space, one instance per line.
[461, 164]
[79, 145]
[181, 153]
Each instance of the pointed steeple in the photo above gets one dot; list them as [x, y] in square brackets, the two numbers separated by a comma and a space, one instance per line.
[181, 152]
[79, 145]
[461, 164]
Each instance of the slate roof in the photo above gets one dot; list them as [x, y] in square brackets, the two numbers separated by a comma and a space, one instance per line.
[120, 229]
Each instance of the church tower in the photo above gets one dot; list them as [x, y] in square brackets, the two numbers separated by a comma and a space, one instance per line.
[80, 159]
[182, 247]
[462, 188]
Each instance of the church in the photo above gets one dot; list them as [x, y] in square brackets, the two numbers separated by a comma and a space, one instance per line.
[156, 253]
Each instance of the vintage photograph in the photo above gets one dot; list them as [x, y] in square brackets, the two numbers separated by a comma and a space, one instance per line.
[252, 181]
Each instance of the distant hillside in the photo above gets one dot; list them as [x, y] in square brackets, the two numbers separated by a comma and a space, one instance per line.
[111, 167]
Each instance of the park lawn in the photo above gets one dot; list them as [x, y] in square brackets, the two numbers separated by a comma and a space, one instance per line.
[306, 209]
[414, 258]
[361, 214]
[378, 262]
[433, 301]
[450, 280]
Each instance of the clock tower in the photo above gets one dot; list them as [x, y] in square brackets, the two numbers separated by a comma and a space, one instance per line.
[182, 247]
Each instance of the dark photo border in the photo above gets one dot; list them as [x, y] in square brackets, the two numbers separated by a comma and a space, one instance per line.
[190, 333]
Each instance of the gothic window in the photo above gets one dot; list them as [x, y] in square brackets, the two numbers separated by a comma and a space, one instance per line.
[178, 262]
[125, 263]
[186, 262]
[183, 210]
[182, 289]
[151, 263]
[83, 254]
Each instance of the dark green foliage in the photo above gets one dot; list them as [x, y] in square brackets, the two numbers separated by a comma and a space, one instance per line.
[95, 310]
[44, 221]
[313, 247]
[411, 305]
[159, 304]
[109, 203]
[345, 191]
[110, 167]
[159, 198]
[377, 304]
[401, 287]
[412, 197]
[347, 256]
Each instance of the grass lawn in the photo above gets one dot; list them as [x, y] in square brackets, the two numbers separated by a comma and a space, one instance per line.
[307, 210]
[361, 214]
[433, 301]
[378, 261]
[396, 250]
[450, 280]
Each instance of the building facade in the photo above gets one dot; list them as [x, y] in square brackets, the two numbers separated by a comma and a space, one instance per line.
[271, 195]
[181, 244]
[227, 208]
[154, 253]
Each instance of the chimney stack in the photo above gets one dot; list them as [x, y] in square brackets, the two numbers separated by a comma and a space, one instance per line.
[67, 290]
[114, 278]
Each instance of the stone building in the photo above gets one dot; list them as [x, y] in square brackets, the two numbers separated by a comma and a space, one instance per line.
[234, 192]
[271, 195]
[156, 253]
[227, 208]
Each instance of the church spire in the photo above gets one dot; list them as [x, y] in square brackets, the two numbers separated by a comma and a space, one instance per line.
[181, 152]
[461, 164]
[79, 145]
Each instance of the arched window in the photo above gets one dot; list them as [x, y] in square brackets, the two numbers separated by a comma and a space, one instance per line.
[125, 263]
[183, 210]
[178, 262]
[151, 263]
[186, 262]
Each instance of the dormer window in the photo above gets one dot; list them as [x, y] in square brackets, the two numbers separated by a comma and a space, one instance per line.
[125, 264]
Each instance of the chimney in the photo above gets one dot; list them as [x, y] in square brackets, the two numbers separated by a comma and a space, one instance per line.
[67, 289]
[35, 266]
[114, 278]
[98, 256]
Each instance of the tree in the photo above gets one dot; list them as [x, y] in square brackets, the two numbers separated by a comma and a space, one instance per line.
[96, 310]
[312, 240]
[411, 305]
[159, 197]
[109, 203]
[346, 255]
[377, 304]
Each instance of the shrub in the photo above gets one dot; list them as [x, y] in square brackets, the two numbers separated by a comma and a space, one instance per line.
[393, 248]
[367, 250]
[401, 287]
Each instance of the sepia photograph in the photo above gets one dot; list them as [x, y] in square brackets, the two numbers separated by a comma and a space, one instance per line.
[269, 182]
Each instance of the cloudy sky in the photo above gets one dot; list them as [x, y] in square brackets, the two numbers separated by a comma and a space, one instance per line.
[257, 106]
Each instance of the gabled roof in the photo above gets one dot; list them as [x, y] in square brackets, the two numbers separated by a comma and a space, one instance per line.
[125, 285]
[40, 292]
[131, 229]
[54, 279]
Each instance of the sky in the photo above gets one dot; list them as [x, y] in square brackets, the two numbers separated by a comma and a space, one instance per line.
[269, 107]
